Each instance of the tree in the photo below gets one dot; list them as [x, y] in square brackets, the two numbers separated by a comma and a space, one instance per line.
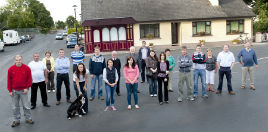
[70, 22]
[60, 25]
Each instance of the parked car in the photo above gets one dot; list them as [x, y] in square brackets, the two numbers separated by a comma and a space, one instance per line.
[70, 36]
[72, 42]
[64, 33]
[2, 46]
[11, 37]
[59, 36]
[76, 34]
[22, 39]
[27, 37]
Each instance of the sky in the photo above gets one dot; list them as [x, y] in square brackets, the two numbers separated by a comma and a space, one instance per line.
[59, 9]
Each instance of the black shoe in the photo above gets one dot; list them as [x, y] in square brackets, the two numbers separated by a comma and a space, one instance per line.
[138, 91]
[33, 107]
[118, 94]
[15, 123]
[46, 105]
[170, 90]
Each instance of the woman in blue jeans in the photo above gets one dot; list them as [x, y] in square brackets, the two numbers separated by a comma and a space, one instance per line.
[110, 78]
[80, 78]
[151, 65]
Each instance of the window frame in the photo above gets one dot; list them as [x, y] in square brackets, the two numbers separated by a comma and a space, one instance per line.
[156, 26]
[240, 22]
[194, 25]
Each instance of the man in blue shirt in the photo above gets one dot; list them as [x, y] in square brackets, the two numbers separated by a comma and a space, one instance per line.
[62, 66]
[77, 56]
[249, 58]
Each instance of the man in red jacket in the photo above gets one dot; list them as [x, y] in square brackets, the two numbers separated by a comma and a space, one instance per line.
[19, 80]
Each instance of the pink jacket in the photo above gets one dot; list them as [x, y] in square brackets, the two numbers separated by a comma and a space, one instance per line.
[130, 73]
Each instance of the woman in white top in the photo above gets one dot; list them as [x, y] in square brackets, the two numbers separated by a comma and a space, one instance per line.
[80, 78]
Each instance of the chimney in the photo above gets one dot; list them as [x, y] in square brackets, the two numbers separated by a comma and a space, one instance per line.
[214, 2]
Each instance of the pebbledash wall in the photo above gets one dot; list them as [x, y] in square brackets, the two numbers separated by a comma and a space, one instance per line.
[218, 33]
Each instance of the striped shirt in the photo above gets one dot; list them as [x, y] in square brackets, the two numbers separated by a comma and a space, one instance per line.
[77, 57]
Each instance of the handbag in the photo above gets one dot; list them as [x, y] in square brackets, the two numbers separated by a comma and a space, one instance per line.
[149, 72]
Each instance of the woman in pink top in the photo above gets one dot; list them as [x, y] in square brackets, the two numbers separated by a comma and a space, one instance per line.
[131, 74]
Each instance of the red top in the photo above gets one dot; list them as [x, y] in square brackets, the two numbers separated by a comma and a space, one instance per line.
[131, 73]
[19, 78]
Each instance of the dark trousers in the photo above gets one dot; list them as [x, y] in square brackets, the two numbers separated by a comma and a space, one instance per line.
[143, 65]
[227, 72]
[82, 84]
[160, 94]
[34, 89]
[50, 83]
[74, 67]
[63, 78]
[118, 85]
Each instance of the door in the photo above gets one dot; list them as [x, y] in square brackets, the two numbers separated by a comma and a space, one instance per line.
[174, 30]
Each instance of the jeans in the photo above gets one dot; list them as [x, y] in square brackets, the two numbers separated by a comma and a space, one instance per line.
[82, 84]
[17, 96]
[93, 83]
[152, 85]
[227, 72]
[63, 78]
[109, 94]
[185, 77]
[160, 94]
[132, 88]
[34, 89]
[202, 74]
[143, 65]
[246, 70]
[50, 83]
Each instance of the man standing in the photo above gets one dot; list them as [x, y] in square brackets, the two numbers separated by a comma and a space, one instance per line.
[19, 80]
[39, 75]
[249, 58]
[172, 64]
[77, 56]
[96, 66]
[117, 65]
[199, 65]
[62, 66]
[185, 63]
[144, 52]
[225, 63]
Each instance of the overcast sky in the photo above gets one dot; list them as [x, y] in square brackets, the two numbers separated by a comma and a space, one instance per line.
[59, 9]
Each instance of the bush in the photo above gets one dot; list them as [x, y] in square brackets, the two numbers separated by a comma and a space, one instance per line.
[1, 35]
[70, 30]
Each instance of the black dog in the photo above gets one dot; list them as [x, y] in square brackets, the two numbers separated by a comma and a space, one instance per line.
[76, 107]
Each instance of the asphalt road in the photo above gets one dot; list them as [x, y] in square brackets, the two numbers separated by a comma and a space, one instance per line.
[244, 112]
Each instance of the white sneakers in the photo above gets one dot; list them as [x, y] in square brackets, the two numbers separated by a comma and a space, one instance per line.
[136, 106]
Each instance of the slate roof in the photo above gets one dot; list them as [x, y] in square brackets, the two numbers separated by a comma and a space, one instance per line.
[163, 10]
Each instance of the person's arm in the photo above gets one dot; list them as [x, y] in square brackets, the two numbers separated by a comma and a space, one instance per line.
[233, 61]
[216, 64]
[194, 59]
[46, 76]
[179, 62]
[204, 59]
[29, 80]
[105, 76]
[219, 60]
[9, 82]
[66, 64]
[52, 64]
[239, 57]
[140, 54]
[116, 77]
[103, 63]
[86, 80]
[126, 74]
[255, 59]
[188, 64]
[78, 86]
[173, 63]
[57, 64]
[137, 73]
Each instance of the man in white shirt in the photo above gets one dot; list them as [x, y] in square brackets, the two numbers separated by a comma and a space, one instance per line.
[39, 75]
[225, 61]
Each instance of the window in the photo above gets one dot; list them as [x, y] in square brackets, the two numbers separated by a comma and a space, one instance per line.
[10, 35]
[96, 34]
[201, 28]
[105, 34]
[234, 26]
[149, 31]
[114, 34]
[122, 33]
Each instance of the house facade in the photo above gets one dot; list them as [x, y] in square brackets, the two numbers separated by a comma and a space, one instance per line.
[119, 24]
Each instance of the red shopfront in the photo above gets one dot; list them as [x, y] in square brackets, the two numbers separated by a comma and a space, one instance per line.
[108, 34]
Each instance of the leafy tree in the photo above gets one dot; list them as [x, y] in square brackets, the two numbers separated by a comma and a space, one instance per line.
[70, 22]
[60, 25]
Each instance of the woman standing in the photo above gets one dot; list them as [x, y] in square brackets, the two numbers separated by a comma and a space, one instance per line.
[80, 78]
[211, 69]
[163, 71]
[110, 78]
[151, 73]
[131, 74]
[50, 64]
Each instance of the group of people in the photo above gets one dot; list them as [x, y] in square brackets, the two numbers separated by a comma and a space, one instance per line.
[157, 71]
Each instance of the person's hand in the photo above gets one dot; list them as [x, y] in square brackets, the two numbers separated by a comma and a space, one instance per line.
[170, 67]
[10, 93]
[112, 85]
[215, 71]
[132, 82]
[257, 66]
[167, 72]
[91, 75]
[85, 88]
[165, 80]
[46, 81]
[80, 93]
[25, 91]
[242, 63]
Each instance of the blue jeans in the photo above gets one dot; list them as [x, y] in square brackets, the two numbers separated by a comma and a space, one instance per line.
[82, 84]
[130, 88]
[202, 74]
[152, 85]
[93, 83]
[109, 94]
[18, 96]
